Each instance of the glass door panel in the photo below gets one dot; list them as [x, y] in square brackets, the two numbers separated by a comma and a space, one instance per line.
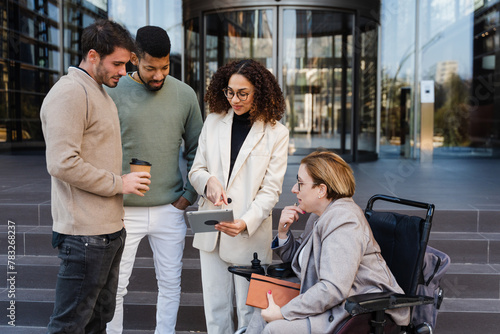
[238, 35]
[317, 58]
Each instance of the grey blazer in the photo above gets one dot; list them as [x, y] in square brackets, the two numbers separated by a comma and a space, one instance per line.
[340, 259]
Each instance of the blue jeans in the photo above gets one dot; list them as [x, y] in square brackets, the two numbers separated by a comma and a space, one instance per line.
[86, 284]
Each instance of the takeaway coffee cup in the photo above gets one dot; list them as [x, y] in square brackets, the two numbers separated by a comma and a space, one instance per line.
[137, 165]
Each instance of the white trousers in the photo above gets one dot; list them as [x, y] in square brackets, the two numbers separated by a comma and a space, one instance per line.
[220, 287]
[166, 230]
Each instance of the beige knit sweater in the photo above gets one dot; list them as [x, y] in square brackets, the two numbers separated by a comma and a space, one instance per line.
[82, 134]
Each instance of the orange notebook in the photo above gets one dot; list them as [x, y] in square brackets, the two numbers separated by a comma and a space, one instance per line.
[283, 291]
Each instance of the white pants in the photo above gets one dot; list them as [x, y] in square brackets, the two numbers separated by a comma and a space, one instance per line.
[219, 289]
[166, 230]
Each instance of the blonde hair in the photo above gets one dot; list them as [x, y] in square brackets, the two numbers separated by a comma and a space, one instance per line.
[329, 169]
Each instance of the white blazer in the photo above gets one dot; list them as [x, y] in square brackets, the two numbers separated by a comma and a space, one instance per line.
[254, 186]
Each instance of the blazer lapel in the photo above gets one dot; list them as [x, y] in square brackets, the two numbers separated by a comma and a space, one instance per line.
[225, 144]
[254, 136]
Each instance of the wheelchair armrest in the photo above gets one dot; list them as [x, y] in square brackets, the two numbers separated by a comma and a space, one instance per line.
[246, 271]
[280, 270]
[379, 301]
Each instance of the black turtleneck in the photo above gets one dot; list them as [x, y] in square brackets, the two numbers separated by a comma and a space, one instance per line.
[241, 127]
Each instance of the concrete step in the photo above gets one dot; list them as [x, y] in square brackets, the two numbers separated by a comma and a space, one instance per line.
[33, 228]
[469, 289]
[468, 247]
[36, 212]
[37, 241]
[469, 315]
[40, 272]
[43, 330]
[480, 221]
[457, 315]
[483, 318]
[474, 281]
[33, 308]
[472, 284]
[462, 247]
[472, 299]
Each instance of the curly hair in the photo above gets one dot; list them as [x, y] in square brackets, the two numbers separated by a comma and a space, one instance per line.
[268, 102]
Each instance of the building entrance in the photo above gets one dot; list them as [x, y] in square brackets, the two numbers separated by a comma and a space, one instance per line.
[321, 57]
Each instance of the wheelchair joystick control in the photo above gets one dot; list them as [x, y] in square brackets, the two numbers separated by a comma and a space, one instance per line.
[256, 261]
[247, 271]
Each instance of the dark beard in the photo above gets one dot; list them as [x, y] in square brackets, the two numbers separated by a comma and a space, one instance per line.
[148, 87]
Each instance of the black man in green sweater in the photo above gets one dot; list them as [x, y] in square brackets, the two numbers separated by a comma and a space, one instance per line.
[158, 113]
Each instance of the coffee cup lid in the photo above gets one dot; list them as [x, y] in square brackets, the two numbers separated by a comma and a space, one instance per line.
[136, 161]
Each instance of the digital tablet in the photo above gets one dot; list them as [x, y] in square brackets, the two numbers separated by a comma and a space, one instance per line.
[204, 221]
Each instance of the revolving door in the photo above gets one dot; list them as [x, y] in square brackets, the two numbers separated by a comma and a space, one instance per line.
[325, 60]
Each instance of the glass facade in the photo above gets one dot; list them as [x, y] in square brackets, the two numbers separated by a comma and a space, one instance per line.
[318, 78]
[32, 42]
[454, 44]
[236, 35]
[192, 57]
[351, 71]
[367, 46]
[484, 120]
[325, 60]
[166, 14]
[77, 15]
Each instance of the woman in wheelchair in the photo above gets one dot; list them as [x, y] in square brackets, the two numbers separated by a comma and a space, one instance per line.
[335, 257]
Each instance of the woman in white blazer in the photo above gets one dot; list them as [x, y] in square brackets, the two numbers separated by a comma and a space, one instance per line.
[240, 165]
[336, 256]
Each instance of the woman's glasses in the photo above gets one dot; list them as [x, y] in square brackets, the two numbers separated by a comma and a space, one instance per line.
[229, 93]
[299, 183]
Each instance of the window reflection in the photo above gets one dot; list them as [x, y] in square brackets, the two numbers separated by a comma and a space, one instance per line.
[483, 112]
[131, 14]
[53, 11]
[168, 15]
[368, 49]
[317, 62]
[192, 54]
[458, 47]
[238, 35]
[30, 61]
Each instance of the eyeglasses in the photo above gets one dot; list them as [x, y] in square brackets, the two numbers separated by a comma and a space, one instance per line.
[299, 184]
[229, 93]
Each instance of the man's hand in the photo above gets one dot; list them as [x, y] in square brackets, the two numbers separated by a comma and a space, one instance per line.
[136, 181]
[181, 203]
[232, 228]
[273, 311]
[215, 192]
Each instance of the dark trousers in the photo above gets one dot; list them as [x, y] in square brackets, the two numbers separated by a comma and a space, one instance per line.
[86, 284]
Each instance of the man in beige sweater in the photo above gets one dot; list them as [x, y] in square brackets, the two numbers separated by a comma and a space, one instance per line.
[82, 135]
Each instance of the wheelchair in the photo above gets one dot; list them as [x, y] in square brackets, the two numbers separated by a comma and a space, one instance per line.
[403, 241]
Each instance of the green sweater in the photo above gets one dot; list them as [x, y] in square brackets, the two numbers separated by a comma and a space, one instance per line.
[153, 125]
